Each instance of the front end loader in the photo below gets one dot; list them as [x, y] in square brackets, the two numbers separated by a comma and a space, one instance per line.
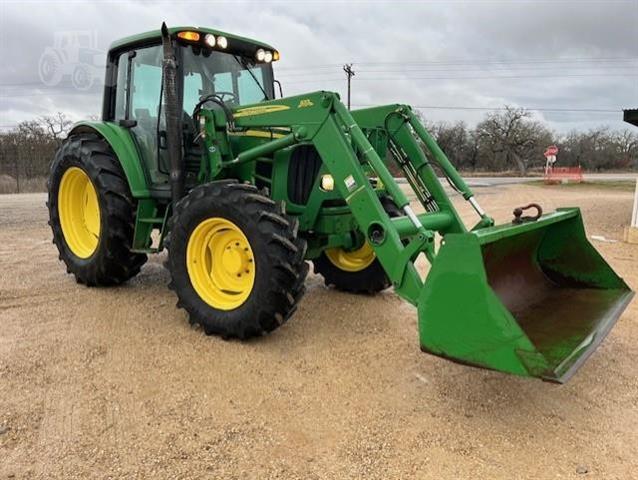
[244, 188]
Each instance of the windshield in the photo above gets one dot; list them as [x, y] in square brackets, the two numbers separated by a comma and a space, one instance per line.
[237, 80]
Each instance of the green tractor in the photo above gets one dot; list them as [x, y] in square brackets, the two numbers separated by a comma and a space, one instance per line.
[196, 154]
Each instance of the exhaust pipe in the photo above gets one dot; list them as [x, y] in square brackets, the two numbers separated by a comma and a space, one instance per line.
[173, 116]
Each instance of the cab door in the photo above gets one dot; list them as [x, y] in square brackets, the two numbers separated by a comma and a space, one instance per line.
[138, 106]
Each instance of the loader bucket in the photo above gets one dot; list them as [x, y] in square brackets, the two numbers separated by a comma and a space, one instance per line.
[533, 299]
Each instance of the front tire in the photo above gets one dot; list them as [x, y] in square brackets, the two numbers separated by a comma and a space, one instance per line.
[236, 263]
[92, 212]
[356, 271]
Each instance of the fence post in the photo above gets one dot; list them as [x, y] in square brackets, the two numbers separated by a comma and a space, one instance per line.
[634, 215]
[17, 168]
[631, 232]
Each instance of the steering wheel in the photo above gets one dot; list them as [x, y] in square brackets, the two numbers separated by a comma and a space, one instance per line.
[222, 96]
[216, 97]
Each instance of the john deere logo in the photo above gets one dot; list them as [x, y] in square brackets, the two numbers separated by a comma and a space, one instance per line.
[306, 102]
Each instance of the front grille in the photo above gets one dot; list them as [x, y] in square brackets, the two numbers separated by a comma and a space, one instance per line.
[304, 167]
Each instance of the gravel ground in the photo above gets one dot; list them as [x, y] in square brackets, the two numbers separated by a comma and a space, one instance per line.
[113, 383]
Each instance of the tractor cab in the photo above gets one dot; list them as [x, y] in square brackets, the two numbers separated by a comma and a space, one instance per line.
[214, 68]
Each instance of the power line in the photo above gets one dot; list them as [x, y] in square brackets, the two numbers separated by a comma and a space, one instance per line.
[68, 90]
[484, 77]
[507, 62]
[464, 70]
[469, 62]
[490, 109]
[512, 76]
[474, 61]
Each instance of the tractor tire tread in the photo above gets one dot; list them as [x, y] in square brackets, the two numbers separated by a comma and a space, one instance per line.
[276, 291]
[112, 263]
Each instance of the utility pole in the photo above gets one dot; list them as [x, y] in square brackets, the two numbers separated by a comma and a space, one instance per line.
[17, 167]
[349, 73]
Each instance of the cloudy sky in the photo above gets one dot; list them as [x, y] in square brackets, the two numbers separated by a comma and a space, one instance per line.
[574, 62]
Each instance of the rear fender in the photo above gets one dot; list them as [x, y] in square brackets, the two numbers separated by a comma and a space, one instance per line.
[124, 148]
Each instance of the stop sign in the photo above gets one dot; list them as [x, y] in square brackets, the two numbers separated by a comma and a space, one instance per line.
[551, 151]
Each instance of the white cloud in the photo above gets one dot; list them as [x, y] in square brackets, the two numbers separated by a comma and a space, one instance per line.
[392, 44]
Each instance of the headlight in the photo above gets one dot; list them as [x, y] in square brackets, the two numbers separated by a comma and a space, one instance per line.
[260, 55]
[222, 42]
[209, 39]
[268, 57]
[327, 183]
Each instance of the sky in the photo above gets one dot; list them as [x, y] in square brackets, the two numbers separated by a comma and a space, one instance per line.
[573, 63]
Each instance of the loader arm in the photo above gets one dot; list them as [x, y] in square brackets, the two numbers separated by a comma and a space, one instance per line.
[321, 118]
[532, 299]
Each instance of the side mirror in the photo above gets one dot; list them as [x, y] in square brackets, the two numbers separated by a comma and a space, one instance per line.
[128, 123]
[281, 93]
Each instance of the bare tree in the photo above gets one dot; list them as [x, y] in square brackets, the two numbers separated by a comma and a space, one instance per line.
[504, 140]
[510, 138]
[56, 125]
[457, 142]
[627, 146]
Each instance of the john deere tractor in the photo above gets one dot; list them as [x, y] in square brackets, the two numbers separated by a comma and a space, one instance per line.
[195, 153]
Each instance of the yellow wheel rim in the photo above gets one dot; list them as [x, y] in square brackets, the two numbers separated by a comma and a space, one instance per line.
[220, 263]
[79, 212]
[353, 261]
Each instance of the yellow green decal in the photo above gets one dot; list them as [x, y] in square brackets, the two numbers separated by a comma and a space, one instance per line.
[257, 133]
[306, 102]
[245, 112]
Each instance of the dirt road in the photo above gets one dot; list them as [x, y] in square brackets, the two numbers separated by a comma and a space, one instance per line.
[113, 383]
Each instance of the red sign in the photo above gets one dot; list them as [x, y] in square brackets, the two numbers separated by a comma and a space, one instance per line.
[564, 175]
[551, 150]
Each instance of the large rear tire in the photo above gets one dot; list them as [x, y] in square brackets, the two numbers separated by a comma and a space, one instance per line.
[236, 263]
[92, 212]
[356, 271]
